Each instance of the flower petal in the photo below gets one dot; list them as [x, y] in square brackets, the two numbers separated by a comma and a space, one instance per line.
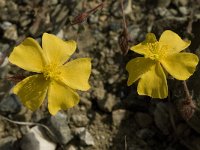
[181, 66]
[172, 40]
[76, 73]
[136, 67]
[28, 55]
[57, 50]
[61, 97]
[32, 91]
[153, 83]
[142, 48]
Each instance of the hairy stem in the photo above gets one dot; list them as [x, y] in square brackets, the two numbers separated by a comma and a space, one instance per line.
[123, 15]
[188, 96]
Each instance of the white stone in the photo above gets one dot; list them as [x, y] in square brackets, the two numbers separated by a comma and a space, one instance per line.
[35, 140]
[86, 138]
[5, 62]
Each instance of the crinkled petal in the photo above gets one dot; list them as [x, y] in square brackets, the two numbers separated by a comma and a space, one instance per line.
[150, 38]
[136, 67]
[32, 91]
[143, 48]
[28, 56]
[76, 73]
[181, 66]
[61, 97]
[57, 50]
[153, 83]
[173, 42]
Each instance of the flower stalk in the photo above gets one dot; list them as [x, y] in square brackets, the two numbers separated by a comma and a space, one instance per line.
[83, 16]
[187, 107]
[124, 37]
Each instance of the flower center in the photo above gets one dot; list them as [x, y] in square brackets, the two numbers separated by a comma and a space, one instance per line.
[156, 51]
[51, 71]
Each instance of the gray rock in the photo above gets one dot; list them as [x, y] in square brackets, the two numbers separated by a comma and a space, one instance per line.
[100, 93]
[2, 126]
[161, 117]
[108, 103]
[162, 11]
[5, 61]
[71, 147]
[163, 3]
[145, 133]
[10, 31]
[118, 116]
[114, 9]
[4, 47]
[184, 10]
[86, 138]
[110, 60]
[78, 131]
[128, 8]
[85, 102]
[60, 34]
[180, 2]
[35, 140]
[53, 2]
[95, 71]
[143, 119]
[2, 3]
[10, 104]
[4, 70]
[103, 18]
[134, 31]
[5, 25]
[183, 2]
[7, 143]
[80, 120]
[94, 19]
[173, 12]
[59, 126]
[113, 79]
[24, 20]
[12, 6]
[36, 2]
[4, 86]
[197, 15]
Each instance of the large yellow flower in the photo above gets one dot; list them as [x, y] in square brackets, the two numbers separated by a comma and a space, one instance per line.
[159, 58]
[53, 76]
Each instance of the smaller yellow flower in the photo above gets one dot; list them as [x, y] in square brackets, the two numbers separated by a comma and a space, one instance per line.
[54, 78]
[159, 58]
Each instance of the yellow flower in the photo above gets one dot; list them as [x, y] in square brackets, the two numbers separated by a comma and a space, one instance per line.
[54, 78]
[159, 58]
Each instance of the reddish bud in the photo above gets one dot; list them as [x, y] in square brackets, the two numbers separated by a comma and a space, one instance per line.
[83, 16]
[80, 18]
[123, 42]
[187, 109]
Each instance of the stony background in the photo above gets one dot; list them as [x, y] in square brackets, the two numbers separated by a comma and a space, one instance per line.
[110, 116]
